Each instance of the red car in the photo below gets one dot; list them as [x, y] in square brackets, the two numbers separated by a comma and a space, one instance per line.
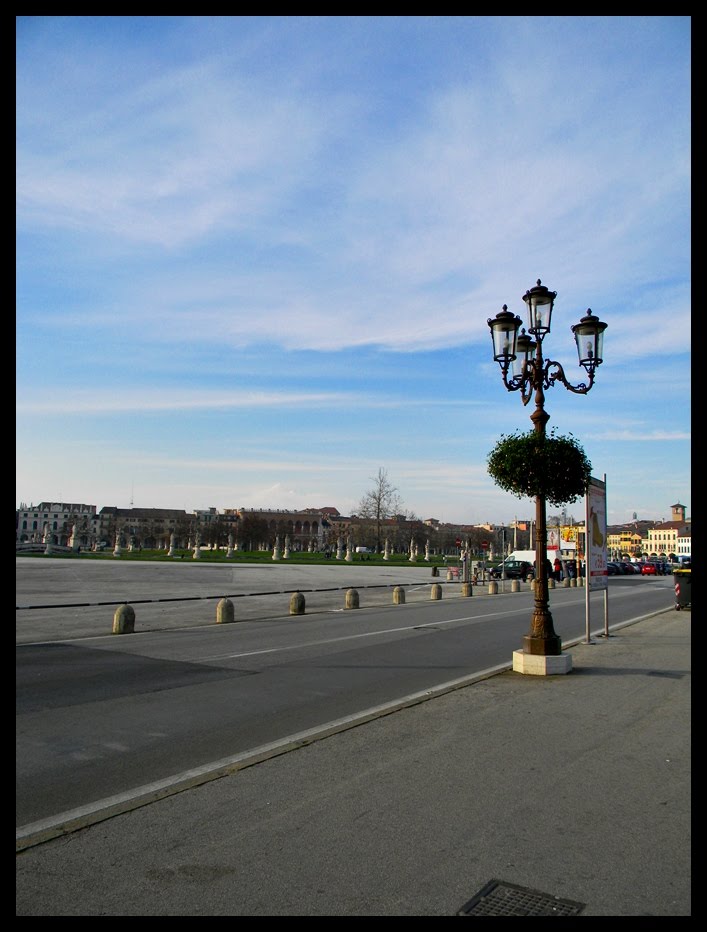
[649, 569]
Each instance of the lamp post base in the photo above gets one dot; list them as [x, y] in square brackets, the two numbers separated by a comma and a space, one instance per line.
[550, 646]
[541, 664]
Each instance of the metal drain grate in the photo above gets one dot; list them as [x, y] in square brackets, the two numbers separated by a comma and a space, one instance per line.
[498, 898]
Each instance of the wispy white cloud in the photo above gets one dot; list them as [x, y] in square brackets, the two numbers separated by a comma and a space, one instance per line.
[135, 402]
[193, 156]
[248, 215]
[650, 436]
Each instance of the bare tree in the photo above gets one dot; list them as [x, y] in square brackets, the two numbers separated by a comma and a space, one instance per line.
[253, 531]
[381, 502]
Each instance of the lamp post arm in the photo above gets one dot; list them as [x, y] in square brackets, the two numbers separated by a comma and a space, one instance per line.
[553, 372]
[525, 383]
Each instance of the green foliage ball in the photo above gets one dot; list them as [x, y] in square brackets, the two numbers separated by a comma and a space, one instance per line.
[529, 465]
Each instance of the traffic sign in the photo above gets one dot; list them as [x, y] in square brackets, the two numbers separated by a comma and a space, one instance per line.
[484, 545]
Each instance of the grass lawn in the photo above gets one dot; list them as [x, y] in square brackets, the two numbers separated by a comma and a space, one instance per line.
[250, 556]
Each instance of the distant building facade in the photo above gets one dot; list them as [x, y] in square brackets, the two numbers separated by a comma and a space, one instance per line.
[57, 519]
[318, 529]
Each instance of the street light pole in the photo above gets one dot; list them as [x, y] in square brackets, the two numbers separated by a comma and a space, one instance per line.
[531, 374]
[542, 638]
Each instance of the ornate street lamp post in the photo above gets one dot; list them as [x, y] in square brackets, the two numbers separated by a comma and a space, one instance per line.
[522, 355]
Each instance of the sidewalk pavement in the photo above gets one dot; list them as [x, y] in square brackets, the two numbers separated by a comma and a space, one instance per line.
[557, 795]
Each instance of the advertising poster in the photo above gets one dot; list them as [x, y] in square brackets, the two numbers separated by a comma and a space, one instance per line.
[597, 577]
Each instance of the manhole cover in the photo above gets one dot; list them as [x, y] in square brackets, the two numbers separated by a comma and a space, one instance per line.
[507, 899]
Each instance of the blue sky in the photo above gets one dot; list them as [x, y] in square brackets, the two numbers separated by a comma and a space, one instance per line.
[256, 256]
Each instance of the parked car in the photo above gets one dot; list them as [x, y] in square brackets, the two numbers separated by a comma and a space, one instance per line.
[514, 569]
[612, 569]
[649, 569]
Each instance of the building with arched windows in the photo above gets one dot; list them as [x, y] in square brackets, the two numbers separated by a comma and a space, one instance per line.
[308, 529]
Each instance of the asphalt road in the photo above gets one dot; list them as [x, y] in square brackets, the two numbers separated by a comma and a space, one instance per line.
[107, 721]
[567, 793]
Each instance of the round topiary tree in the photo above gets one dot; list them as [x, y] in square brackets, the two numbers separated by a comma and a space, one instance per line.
[534, 464]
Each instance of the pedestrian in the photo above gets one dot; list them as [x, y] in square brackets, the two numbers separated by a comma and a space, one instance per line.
[558, 569]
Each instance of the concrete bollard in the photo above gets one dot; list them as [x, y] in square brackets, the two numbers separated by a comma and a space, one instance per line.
[436, 592]
[351, 599]
[467, 589]
[124, 620]
[450, 576]
[297, 604]
[435, 571]
[573, 583]
[493, 587]
[225, 612]
[398, 596]
[515, 585]
[551, 582]
[566, 582]
[580, 581]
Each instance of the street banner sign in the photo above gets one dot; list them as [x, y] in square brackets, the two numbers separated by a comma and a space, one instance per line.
[595, 523]
[595, 547]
